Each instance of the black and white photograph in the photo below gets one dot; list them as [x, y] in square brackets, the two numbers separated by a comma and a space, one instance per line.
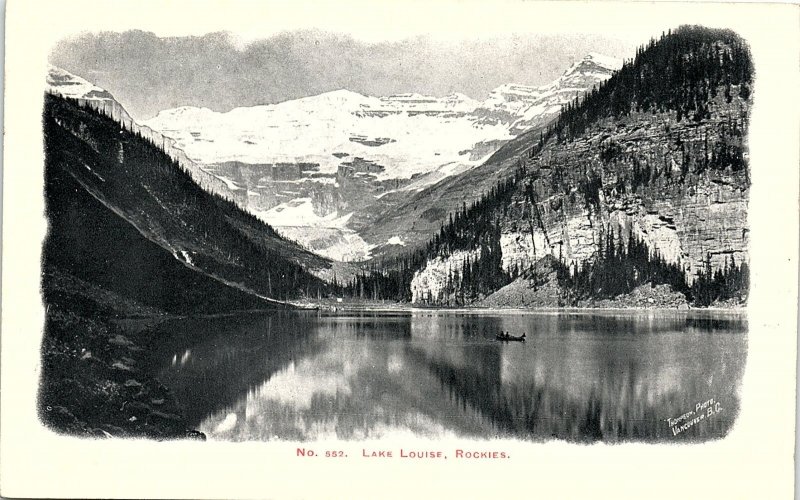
[392, 242]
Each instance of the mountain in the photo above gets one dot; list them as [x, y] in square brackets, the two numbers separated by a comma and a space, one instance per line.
[321, 167]
[523, 107]
[645, 180]
[131, 234]
[65, 84]
[126, 217]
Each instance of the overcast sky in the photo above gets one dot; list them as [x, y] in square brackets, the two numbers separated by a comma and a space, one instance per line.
[148, 73]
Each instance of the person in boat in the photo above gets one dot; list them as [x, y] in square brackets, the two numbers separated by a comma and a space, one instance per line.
[508, 336]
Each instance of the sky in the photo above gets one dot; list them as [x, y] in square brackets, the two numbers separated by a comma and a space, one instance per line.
[221, 71]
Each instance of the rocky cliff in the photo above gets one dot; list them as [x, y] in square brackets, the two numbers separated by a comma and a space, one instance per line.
[684, 217]
[436, 278]
[664, 163]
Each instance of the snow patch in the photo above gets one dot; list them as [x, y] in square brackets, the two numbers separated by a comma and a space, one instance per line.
[341, 244]
[66, 84]
[186, 257]
[231, 185]
[396, 240]
[300, 212]
[605, 61]
[228, 424]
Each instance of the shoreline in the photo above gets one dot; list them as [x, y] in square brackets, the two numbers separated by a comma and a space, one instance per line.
[409, 308]
[96, 381]
[348, 308]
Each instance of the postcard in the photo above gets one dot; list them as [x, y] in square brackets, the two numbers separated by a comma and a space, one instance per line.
[395, 249]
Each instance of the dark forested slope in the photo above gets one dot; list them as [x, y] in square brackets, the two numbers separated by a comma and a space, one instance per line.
[124, 215]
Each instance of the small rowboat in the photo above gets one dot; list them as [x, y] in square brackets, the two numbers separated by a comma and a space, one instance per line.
[510, 338]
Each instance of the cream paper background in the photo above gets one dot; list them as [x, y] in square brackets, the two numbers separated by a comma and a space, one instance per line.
[754, 461]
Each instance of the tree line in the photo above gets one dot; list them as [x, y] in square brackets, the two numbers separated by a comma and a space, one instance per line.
[622, 264]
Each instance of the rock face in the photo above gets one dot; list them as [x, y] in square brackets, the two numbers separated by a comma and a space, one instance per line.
[430, 283]
[686, 218]
[536, 287]
[647, 175]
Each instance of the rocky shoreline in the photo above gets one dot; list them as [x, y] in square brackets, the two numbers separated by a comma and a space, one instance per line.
[519, 296]
[93, 383]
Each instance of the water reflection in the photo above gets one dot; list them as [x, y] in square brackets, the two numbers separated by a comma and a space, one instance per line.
[211, 363]
[581, 376]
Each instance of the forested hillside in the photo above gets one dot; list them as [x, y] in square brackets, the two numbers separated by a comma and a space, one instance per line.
[645, 180]
[125, 216]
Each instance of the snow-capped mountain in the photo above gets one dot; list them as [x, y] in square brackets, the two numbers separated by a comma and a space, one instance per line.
[404, 134]
[523, 107]
[64, 83]
[311, 163]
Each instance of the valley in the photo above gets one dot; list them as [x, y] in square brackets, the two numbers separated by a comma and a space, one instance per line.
[388, 181]
[616, 186]
[339, 160]
[630, 161]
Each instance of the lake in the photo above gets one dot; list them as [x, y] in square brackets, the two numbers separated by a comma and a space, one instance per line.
[581, 376]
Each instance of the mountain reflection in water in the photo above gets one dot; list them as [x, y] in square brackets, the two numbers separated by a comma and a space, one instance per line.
[581, 376]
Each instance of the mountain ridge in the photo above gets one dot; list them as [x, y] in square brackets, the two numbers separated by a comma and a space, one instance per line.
[644, 178]
[358, 154]
[139, 184]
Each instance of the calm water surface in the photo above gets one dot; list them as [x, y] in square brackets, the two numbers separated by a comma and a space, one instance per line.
[583, 376]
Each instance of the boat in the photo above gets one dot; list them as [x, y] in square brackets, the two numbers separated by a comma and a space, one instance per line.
[507, 337]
